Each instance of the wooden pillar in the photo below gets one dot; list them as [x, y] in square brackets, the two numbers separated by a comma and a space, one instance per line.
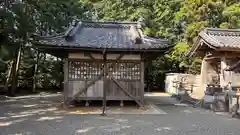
[104, 84]
[222, 76]
[86, 93]
[226, 80]
[35, 72]
[225, 76]
[142, 81]
[204, 75]
[65, 90]
[62, 71]
[230, 98]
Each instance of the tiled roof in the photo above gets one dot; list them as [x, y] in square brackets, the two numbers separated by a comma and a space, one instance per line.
[216, 38]
[115, 35]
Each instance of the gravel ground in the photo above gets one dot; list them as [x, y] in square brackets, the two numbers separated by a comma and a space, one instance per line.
[39, 116]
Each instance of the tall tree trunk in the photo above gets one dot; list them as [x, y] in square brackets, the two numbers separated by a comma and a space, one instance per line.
[8, 76]
[11, 64]
[35, 72]
[15, 72]
[45, 85]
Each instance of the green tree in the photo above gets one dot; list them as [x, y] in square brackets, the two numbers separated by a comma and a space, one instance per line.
[20, 20]
[232, 16]
[195, 15]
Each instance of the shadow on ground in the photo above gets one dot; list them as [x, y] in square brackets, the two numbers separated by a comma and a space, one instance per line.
[43, 115]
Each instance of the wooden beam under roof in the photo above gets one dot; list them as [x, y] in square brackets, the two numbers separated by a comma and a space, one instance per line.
[217, 54]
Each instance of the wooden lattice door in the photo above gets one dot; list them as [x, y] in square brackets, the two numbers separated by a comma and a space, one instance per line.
[84, 72]
[126, 73]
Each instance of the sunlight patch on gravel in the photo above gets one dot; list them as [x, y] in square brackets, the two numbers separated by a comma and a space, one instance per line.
[30, 105]
[49, 118]
[36, 96]
[164, 129]
[157, 94]
[84, 130]
[23, 115]
[2, 124]
[3, 118]
[185, 105]
[105, 118]
[187, 111]
[24, 133]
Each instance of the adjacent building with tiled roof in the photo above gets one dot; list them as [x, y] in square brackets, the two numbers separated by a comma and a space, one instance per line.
[220, 50]
[217, 39]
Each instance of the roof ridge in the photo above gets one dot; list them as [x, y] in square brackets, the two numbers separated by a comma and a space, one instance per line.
[156, 39]
[222, 29]
[111, 22]
[62, 34]
[116, 35]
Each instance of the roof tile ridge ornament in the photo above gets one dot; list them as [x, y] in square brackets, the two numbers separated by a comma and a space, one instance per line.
[136, 34]
[69, 35]
[139, 29]
[68, 31]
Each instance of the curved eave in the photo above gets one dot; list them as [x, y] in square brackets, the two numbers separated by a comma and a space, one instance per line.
[62, 51]
[100, 49]
[209, 41]
[202, 40]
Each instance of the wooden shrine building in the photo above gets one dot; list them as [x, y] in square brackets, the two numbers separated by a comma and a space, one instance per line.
[103, 60]
[220, 51]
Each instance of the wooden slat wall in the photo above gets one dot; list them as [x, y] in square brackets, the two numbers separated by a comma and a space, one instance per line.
[95, 90]
[114, 91]
[82, 71]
